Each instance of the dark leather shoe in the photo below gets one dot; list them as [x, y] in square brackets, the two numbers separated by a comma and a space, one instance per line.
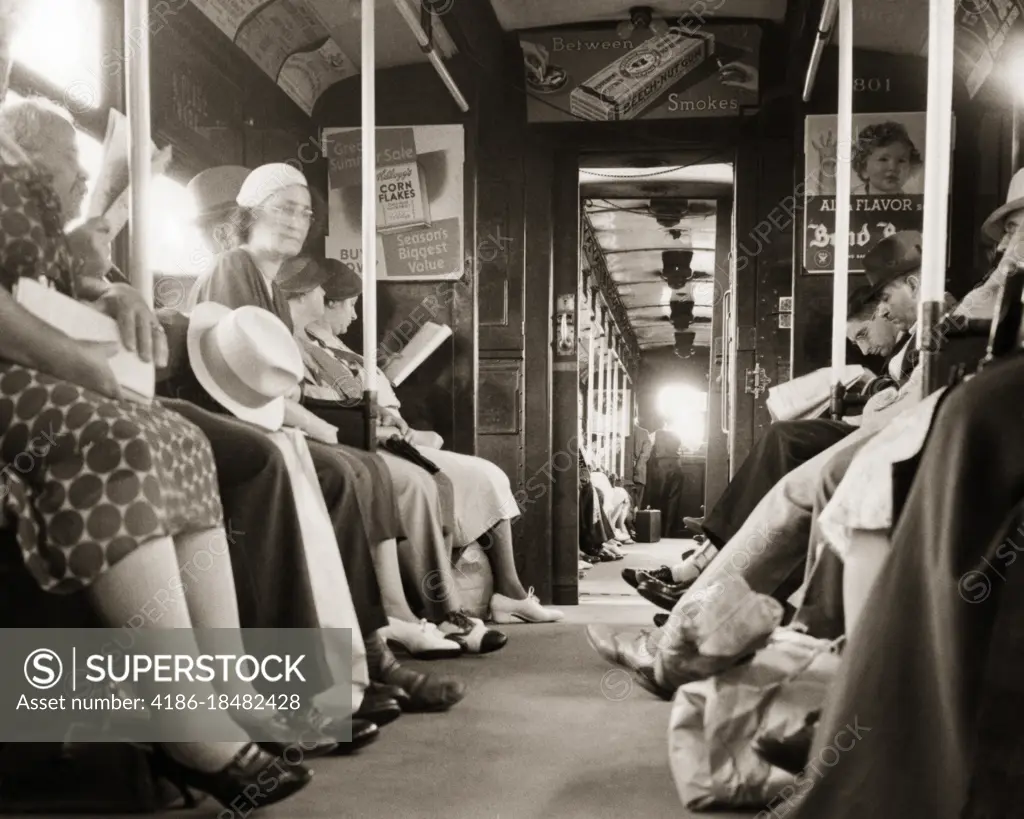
[791, 753]
[662, 594]
[364, 732]
[636, 576]
[379, 708]
[660, 619]
[662, 575]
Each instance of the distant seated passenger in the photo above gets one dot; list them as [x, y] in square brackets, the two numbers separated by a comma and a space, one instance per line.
[484, 503]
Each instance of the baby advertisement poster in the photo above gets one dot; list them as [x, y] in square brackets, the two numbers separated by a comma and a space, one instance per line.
[887, 155]
[419, 193]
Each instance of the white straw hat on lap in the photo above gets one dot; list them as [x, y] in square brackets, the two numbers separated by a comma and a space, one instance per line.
[245, 359]
[267, 180]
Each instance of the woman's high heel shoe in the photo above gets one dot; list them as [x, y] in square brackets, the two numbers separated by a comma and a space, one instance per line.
[257, 777]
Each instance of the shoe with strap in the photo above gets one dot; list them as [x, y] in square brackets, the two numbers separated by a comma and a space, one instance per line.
[471, 633]
[505, 610]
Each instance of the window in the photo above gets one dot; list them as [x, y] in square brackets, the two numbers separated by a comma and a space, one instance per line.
[176, 249]
[685, 408]
[62, 41]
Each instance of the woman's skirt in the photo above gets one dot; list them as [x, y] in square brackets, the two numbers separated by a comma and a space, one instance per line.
[375, 493]
[87, 480]
[483, 494]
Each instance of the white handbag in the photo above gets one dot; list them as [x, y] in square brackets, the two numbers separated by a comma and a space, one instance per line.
[327, 578]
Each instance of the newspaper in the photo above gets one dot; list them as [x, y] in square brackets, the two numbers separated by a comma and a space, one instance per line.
[109, 198]
[809, 395]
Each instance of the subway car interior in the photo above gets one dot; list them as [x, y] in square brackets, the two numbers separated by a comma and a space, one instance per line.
[654, 497]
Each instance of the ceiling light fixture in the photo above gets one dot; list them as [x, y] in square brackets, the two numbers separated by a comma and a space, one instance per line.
[641, 17]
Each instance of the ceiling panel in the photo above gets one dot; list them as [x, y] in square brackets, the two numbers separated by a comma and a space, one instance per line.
[516, 15]
[633, 241]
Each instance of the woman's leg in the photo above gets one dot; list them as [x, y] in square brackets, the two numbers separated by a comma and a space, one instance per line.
[389, 575]
[497, 545]
[209, 585]
[125, 593]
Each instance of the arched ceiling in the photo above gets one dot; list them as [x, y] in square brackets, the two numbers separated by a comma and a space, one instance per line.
[633, 234]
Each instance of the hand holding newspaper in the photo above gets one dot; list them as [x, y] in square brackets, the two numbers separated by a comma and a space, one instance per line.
[809, 395]
[109, 199]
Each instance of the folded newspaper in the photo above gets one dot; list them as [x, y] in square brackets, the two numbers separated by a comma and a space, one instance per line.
[86, 324]
[109, 198]
[809, 395]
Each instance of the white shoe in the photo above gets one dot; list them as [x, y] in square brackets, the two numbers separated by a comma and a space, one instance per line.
[422, 640]
[506, 610]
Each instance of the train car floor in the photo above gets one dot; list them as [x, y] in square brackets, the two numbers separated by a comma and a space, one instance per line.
[548, 730]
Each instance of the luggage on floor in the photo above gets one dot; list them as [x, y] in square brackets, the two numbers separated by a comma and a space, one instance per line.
[715, 722]
[648, 526]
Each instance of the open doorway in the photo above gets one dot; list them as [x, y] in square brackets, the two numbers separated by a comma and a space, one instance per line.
[655, 238]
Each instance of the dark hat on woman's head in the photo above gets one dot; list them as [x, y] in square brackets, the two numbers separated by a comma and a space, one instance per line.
[344, 282]
[301, 275]
[215, 189]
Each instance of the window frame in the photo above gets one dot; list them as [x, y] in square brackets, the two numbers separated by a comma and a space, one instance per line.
[29, 83]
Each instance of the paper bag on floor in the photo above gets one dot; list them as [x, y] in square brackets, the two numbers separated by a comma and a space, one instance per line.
[474, 580]
[711, 629]
[714, 721]
[331, 595]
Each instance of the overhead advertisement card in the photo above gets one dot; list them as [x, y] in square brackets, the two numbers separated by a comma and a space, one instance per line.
[681, 70]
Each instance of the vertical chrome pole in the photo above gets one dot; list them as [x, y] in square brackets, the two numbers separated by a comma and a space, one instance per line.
[140, 141]
[599, 423]
[938, 139]
[841, 278]
[368, 124]
[588, 432]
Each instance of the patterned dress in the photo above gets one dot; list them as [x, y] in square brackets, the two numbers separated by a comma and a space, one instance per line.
[85, 480]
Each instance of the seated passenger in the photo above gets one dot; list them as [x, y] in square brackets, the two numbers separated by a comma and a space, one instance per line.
[770, 550]
[268, 557]
[121, 494]
[596, 536]
[484, 504]
[616, 505]
[349, 479]
[940, 628]
[784, 446]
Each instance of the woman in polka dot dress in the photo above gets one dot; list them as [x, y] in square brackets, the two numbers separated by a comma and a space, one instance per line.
[106, 495]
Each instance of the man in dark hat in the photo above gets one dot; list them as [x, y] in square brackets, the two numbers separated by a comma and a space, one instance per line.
[785, 446]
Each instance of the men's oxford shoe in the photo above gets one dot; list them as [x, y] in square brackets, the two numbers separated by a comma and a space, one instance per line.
[636, 576]
[661, 594]
[379, 708]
